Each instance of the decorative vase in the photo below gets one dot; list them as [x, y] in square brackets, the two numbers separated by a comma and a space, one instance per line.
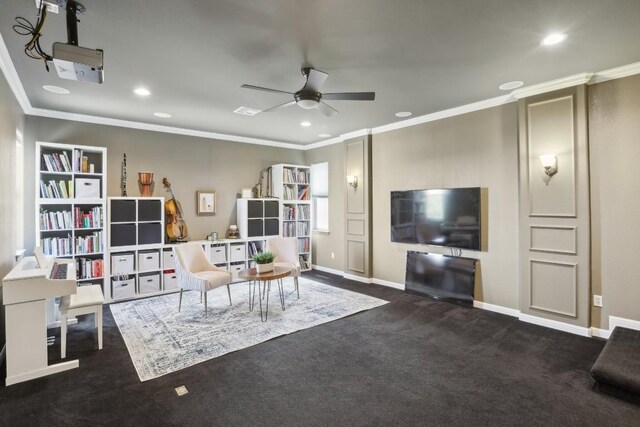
[146, 181]
[264, 268]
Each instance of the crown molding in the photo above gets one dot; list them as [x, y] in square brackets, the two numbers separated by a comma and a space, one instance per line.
[550, 86]
[338, 139]
[84, 118]
[616, 73]
[10, 73]
[456, 111]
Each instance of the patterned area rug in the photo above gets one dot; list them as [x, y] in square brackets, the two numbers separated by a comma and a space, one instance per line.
[161, 340]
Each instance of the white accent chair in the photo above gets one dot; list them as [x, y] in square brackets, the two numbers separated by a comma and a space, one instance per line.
[87, 300]
[286, 249]
[195, 273]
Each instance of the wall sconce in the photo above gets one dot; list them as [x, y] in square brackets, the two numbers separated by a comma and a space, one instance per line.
[352, 180]
[550, 164]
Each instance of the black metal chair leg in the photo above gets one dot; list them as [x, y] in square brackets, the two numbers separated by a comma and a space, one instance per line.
[180, 302]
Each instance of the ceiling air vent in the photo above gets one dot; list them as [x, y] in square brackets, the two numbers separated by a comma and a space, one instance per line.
[246, 111]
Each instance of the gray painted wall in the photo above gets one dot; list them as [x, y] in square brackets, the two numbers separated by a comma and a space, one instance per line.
[11, 120]
[614, 139]
[478, 149]
[189, 163]
[333, 242]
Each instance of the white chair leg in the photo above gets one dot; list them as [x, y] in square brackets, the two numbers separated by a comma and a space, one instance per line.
[229, 291]
[63, 335]
[99, 326]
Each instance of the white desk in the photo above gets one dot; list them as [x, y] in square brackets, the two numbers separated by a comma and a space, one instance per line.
[24, 293]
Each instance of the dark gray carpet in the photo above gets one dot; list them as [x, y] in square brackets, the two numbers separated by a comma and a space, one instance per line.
[411, 362]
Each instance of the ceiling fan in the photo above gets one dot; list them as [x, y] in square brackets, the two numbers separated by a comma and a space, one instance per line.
[310, 97]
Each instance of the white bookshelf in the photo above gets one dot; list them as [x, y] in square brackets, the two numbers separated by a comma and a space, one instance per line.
[71, 206]
[292, 185]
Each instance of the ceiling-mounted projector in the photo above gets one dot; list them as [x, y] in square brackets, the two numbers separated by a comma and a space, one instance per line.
[73, 62]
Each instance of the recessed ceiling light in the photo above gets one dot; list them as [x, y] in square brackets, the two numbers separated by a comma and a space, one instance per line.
[324, 135]
[511, 85]
[552, 39]
[141, 91]
[162, 115]
[56, 89]
[305, 124]
[404, 114]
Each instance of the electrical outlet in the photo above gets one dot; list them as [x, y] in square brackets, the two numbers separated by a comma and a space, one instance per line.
[597, 300]
[51, 7]
[333, 255]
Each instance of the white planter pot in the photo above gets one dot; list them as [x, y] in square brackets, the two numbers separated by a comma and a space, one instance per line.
[264, 268]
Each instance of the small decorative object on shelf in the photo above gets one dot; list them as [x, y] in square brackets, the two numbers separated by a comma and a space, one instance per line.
[264, 261]
[146, 182]
[233, 232]
[124, 175]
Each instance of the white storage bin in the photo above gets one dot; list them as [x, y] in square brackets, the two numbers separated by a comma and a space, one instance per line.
[218, 255]
[235, 269]
[149, 283]
[123, 288]
[122, 263]
[170, 281]
[148, 260]
[237, 252]
[167, 260]
[87, 188]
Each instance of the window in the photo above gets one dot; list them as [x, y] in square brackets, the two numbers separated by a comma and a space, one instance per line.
[320, 196]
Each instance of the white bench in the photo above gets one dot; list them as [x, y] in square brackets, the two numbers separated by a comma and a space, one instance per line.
[87, 300]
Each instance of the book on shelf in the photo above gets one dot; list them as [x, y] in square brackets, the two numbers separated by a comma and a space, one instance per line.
[55, 162]
[59, 220]
[56, 246]
[305, 264]
[55, 190]
[87, 268]
[303, 193]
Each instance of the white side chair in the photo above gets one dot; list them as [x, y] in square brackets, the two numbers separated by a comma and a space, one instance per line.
[195, 273]
[87, 300]
[286, 249]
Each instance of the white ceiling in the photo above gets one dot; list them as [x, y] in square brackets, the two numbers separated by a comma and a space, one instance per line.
[419, 56]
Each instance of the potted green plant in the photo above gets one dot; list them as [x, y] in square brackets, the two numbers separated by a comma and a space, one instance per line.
[264, 261]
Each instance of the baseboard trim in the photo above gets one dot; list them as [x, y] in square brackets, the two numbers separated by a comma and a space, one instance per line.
[388, 284]
[554, 324]
[496, 308]
[361, 279]
[327, 270]
[623, 323]
[599, 333]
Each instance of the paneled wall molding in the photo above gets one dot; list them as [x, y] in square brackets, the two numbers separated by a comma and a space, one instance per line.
[543, 239]
[554, 211]
[357, 213]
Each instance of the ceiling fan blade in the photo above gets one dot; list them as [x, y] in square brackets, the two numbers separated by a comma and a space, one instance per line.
[277, 107]
[326, 109]
[315, 80]
[350, 96]
[265, 89]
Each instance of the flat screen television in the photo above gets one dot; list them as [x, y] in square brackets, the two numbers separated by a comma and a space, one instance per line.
[443, 217]
[441, 277]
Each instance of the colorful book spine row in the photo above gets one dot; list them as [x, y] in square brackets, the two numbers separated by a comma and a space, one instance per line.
[304, 212]
[303, 193]
[253, 248]
[302, 228]
[305, 263]
[81, 163]
[87, 268]
[300, 176]
[56, 162]
[93, 218]
[56, 246]
[288, 213]
[303, 245]
[289, 229]
[89, 244]
[56, 190]
[59, 220]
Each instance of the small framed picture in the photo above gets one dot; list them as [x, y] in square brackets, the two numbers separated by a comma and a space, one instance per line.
[207, 202]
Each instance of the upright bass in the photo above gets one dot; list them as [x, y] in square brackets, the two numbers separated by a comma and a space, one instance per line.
[176, 227]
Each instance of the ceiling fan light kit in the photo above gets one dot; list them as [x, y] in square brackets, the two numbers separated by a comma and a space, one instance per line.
[310, 97]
